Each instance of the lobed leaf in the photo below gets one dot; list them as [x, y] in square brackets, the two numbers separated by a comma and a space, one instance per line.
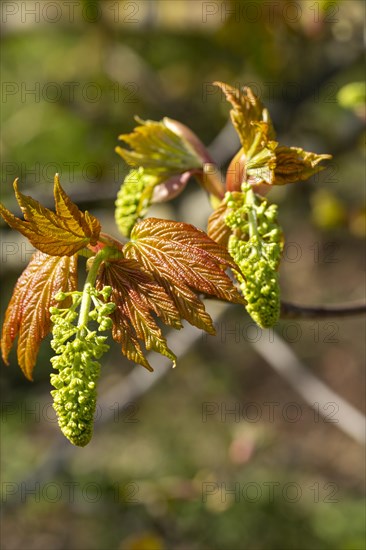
[136, 295]
[295, 164]
[184, 260]
[261, 160]
[217, 229]
[164, 155]
[72, 218]
[278, 165]
[60, 233]
[27, 315]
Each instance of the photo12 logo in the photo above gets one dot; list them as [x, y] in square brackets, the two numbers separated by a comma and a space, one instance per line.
[69, 492]
[269, 492]
[270, 411]
[326, 332]
[68, 91]
[36, 412]
[269, 12]
[70, 11]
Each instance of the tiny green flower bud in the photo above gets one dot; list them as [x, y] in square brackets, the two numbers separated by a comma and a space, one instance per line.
[93, 315]
[106, 292]
[60, 296]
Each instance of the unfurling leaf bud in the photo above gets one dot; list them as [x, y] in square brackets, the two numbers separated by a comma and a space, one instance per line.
[189, 137]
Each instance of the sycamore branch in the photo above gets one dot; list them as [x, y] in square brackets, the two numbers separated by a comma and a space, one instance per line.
[296, 311]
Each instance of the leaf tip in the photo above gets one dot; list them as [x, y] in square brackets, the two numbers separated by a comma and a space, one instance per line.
[4, 357]
[118, 149]
[15, 185]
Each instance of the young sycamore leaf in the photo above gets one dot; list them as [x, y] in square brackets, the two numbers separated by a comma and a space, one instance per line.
[136, 295]
[27, 315]
[158, 147]
[246, 112]
[164, 156]
[217, 229]
[261, 160]
[272, 165]
[58, 234]
[185, 261]
[278, 165]
[294, 164]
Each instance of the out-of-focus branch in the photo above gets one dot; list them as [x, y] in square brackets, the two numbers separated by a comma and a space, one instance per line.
[296, 311]
[279, 355]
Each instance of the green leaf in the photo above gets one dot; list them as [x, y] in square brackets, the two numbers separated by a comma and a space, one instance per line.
[164, 154]
[155, 146]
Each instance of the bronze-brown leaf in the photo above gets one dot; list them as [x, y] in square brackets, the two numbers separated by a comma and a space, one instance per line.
[27, 315]
[136, 296]
[247, 111]
[185, 261]
[60, 233]
[217, 228]
[294, 164]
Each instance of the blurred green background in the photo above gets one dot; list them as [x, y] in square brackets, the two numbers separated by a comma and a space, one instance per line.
[172, 468]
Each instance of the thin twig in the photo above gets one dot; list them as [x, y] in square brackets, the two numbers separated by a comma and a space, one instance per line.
[296, 311]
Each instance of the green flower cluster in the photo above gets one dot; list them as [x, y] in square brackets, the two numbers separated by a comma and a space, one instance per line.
[256, 245]
[77, 349]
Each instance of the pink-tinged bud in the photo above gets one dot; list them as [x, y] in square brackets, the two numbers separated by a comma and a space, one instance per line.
[171, 188]
[235, 176]
[207, 176]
